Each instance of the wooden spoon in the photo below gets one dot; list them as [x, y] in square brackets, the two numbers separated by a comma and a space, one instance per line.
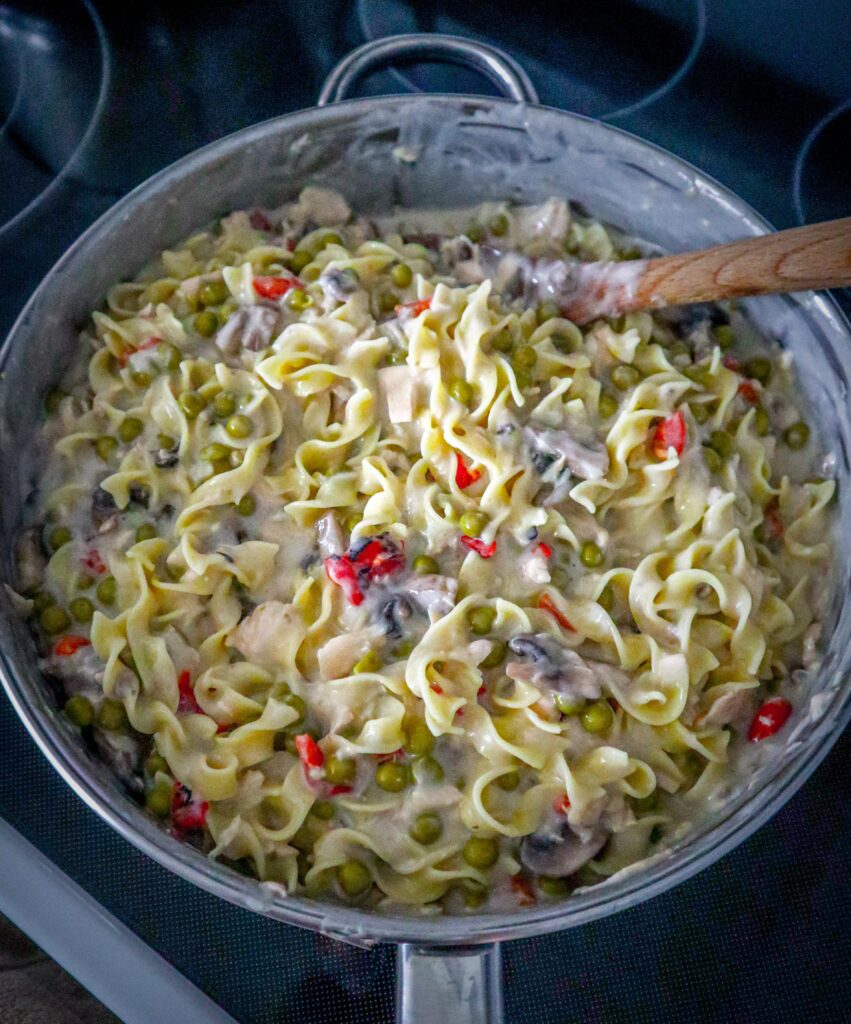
[816, 256]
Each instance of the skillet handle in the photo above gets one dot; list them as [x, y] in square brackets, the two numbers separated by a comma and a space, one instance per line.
[502, 70]
[449, 985]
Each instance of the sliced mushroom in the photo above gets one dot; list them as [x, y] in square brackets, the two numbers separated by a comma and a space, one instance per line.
[552, 451]
[550, 665]
[559, 853]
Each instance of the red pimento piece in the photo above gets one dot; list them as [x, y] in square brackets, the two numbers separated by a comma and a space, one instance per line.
[773, 524]
[187, 704]
[341, 571]
[67, 645]
[339, 790]
[130, 351]
[543, 549]
[274, 287]
[748, 391]
[769, 719]
[436, 688]
[414, 308]
[188, 814]
[311, 756]
[732, 363]
[561, 805]
[524, 891]
[378, 560]
[463, 476]
[481, 690]
[289, 245]
[670, 433]
[479, 546]
[259, 221]
[546, 604]
[94, 563]
[224, 727]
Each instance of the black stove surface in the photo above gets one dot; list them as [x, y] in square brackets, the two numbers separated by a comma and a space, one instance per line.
[95, 97]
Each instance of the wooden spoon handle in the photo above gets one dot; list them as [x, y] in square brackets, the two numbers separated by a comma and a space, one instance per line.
[815, 256]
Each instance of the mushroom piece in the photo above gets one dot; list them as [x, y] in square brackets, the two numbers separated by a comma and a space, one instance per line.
[250, 327]
[550, 665]
[552, 451]
[559, 853]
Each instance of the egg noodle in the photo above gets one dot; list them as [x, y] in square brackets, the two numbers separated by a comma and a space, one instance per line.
[400, 590]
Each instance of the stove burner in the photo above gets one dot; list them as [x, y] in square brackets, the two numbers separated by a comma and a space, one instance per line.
[593, 61]
[821, 178]
[54, 74]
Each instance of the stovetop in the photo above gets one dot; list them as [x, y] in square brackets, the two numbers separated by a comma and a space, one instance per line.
[96, 97]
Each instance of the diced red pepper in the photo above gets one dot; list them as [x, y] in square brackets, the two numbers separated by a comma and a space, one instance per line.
[543, 549]
[769, 719]
[259, 221]
[732, 363]
[148, 343]
[341, 571]
[289, 245]
[613, 704]
[187, 704]
[130, 351]
[309, 752]
[463, 476]
[546, 604]
[94, 563]
[459, 713]
[670, 433]
[67, 645]
[479, 546]
[523, 889]
[188, 814]
[561, 805]
[436, 688]
[339, 790]
[224, 727]
[748, 391]
[378, 559]
[481, 690]
[414, 308]
[773, 524]
[274, 287]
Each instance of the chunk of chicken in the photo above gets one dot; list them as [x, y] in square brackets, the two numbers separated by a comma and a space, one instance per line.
[402, 392]
[329, 536]
[432, 593]
[251, 327]
[261, 637]
[338, 655]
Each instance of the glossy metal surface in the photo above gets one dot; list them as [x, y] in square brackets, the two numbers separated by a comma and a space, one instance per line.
[467, 149]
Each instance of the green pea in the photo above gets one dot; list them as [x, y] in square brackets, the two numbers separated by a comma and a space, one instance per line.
[607, 406]
[224, 404]
[353, 878]
[155, 763]
[79, 710]
[606, 600]
[713, 460]
[419, 740]
[473, 523]
[797, 435]
[111, 715]
[503, 341]
[323, 809]
[130, 428]
[393, 777]
[147, 531]
[425, 565]
[524, 358]
[82, 609]
[298, 300]
[370, 662]
[481, 620]
[723, 336]
[624, 377]
[398, 356]
[590, 555]
[300, 259]
[298, 705]
[498, 225]
[568, 705]
[461, 391]
[339, 770]
[699, 411]
[496, 655]
[430, 769]
[215, 452]
[761, 421]
[246, 505]
[105, 447]
[141, 378]
[191, 403]
[721, 442]
[475, 232]
[59, 537]
[562, 342]
[472, 894]
[387, 301]
[54, 620]
[555, 887]
[84, 581]
[158, 800]
[597, 717]
[480, 852]
[169, 356]
[401, 275]
[426, 829]
[41, 601]
[213, 293]
[206, 323]
[759, 368]
[239, 426]
[160, 291]
[106, 590]
[510, 781]
[52, 399]
[166, 441]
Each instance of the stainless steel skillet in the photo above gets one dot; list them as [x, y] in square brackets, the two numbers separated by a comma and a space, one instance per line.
[438, 151]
